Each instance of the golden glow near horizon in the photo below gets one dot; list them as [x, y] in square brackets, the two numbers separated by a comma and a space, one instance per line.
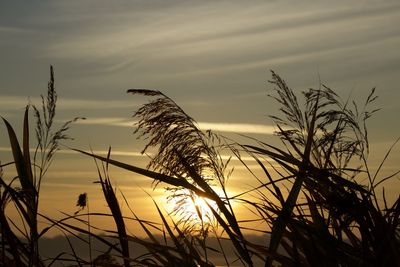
[211, 57]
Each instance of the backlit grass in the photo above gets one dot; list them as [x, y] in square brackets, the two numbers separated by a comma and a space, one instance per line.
[309, 201]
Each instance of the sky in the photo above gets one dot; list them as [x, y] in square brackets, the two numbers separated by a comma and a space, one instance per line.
[211, 57]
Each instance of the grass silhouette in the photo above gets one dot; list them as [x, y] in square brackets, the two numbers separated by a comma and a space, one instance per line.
[309, 195]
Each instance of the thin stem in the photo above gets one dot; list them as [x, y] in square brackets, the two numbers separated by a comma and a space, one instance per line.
[90, 234]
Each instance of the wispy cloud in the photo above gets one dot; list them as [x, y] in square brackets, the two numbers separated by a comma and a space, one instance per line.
[18, 102]
[97, 152]
[237, 127]
[226, 127]
[107, 121]
[251, 29]
[13, 30]
[120, 153]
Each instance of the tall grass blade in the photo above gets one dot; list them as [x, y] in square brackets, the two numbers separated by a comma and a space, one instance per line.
[26, 153]
[281, 221]
[20, 165]
[113, 204]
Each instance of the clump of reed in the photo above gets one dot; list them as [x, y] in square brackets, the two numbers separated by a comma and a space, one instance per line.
[337, 221]
[314, 208]
[20, 244]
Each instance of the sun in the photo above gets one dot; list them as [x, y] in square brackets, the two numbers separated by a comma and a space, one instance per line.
[191, 209]
[202, 207]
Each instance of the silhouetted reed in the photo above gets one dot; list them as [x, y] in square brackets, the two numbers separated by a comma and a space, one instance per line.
[309, 200]
[29, 174]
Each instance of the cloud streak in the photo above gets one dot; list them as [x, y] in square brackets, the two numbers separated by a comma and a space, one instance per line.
[18, 102]
[170, 39]
[237, 127]
[122, 153]
[97, 152]
[240, 128]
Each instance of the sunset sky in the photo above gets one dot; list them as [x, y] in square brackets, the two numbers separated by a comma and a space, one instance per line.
[212, 57]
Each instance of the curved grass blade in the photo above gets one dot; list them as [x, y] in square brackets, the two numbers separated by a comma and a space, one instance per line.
[151, 174]
[19, 160]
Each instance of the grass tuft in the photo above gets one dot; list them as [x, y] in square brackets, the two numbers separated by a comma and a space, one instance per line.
[308, 199]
